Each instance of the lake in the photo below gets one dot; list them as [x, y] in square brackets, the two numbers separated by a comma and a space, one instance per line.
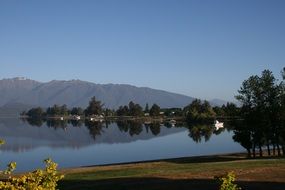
[75, 143]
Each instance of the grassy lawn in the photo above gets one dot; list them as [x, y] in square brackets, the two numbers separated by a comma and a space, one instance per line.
[182, 173]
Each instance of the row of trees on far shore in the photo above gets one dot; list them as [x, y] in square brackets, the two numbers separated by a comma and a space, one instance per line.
[197, 110]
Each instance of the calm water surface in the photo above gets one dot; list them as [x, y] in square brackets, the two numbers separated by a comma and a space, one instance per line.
[94, 143]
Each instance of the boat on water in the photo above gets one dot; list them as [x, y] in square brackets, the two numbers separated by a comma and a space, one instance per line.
[172, 122]
[218, 125]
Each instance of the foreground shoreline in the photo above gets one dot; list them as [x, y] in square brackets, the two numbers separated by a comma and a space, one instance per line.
[179, 173]
[200, 158]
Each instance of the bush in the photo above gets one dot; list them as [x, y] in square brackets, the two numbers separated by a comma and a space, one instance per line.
[38, 180]
[227, 182]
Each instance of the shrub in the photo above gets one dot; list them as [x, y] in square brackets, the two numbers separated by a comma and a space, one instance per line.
[38, 180]
[227, 182]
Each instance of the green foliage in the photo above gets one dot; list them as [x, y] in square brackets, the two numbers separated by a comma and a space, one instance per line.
[263, 113]
[154, 110]
[131, 110]
[10, 168]
[220, 111]
[109, 112]
[57, 110]
[94, 108]
[230, 110]
[36, 112]
[2, 142]
[172, 112]
[38, 180]
[76, 111]
[198, 111]
[122, 111]
[135, 109]
[227, 182]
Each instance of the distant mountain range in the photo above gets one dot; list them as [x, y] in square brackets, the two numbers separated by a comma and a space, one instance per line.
[18, 94]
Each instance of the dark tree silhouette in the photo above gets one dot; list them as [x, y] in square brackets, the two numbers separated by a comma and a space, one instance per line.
[154, 110]
[94, 108]
[261, 109]
[198, 111]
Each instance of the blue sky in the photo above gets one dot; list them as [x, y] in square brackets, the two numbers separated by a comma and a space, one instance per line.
[200, 48]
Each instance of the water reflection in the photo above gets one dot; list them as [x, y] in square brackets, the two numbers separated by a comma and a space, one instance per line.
[95, 128]
[38, 122]
[79, 133]
[23, 136]
[136, 129]
[198, 132]
[26, 134]
[79, 142]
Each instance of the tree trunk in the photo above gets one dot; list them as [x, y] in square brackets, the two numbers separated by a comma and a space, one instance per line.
[248, 153]
[260, 151]
[268, 149]
[278, 150]
[274, 149]
[253, 150]
[277, 144]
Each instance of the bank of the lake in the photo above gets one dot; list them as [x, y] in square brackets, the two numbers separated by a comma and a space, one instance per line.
[181, 173]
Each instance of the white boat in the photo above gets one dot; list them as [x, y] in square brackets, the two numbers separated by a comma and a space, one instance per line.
[172, 122]
[76, 117]
[218, 125]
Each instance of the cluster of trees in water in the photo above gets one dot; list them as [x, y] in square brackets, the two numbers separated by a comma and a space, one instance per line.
[263, 113]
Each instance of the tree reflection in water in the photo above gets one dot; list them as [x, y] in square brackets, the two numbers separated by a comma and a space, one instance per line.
[95, 128]
[198, 132]
[131, 126]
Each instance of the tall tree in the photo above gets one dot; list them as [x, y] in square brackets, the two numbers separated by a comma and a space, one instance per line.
[122, 111]
[154, 110]
[36, 112]
[94, 108]
[259, 98]
[76, 111]
[146, 109]
[135, 109]
[198, 111]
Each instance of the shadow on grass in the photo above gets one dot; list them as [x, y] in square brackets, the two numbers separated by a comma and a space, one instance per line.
[161, 184]
[196, 159]
[182, 160]
[217, 158]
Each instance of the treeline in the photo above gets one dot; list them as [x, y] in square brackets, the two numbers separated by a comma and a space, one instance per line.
[95, 108]
[197, 110]
[263, 112]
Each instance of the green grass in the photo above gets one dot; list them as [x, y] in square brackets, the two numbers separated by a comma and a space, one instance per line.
[173, 168]
[184, 173]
